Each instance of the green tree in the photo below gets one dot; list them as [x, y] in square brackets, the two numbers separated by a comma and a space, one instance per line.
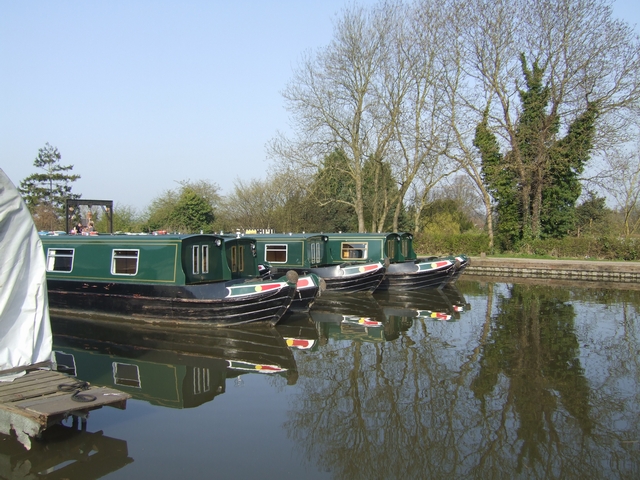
[45, 193]
[332, 192]
[536, 183]
[567, 159]
[187, 209]
[501, 185]
[589, 57]
[445, 216]
[192, 213]
[591, 215]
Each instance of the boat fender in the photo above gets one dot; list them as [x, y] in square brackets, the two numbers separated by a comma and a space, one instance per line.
[387, 262]
[323, 285]
[292, 277]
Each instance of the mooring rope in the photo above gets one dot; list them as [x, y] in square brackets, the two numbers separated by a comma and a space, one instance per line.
[76, 388]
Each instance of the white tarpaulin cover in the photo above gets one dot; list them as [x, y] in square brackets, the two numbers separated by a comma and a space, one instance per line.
[25, 329]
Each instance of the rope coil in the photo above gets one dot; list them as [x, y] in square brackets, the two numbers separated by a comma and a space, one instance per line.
[76, 388]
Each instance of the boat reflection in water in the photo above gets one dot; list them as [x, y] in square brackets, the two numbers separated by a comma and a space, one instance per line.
[172, 367]
[299, 331]
[356, 317]
[455, 296]
[64, 452]
[439, 304]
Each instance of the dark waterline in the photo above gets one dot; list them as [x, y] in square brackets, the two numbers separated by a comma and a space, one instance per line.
[486, 380]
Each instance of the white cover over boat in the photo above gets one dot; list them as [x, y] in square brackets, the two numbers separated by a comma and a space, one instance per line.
[25, 328]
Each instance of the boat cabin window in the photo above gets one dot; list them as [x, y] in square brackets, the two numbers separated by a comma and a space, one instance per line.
[126, 374]
[237, 258]
[354, 250]
[405, 243]
[59, 259]
[276, 253]
[201, 380]
[200, 260]
[205, 258]
[315, 252]
[196, 259]
[391, 248]
[125, 262]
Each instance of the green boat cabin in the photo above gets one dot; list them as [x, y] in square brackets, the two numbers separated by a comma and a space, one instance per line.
[315, 250]
[158, 259]
[367, 247]
[293, 250]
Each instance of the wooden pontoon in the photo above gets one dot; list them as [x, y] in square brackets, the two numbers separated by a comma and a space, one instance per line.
[34, 402]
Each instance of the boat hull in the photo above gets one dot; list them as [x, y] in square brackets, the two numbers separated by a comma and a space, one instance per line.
[351, 278]
[223, 303]
[413, 275]
[461, 262]
[308, 289]
[346, 278]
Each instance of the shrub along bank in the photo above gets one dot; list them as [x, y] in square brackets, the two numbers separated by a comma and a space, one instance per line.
[597, 248]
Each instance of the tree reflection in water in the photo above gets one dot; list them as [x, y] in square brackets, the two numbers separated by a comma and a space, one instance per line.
[534, 345]
[504, 392]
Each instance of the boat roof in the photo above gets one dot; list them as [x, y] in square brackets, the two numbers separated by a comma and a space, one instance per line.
[143, 237]
[282, 236]
[363, 235]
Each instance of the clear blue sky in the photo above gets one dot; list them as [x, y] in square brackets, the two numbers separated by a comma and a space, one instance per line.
[140, 94]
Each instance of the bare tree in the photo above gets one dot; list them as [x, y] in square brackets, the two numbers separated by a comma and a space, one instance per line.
[416, 95]
[405, 85]
[433, 171]
[251, 205]
[624, 186]
[334, 104]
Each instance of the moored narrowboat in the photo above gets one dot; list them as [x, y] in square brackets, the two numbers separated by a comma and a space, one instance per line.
[184, 279]
[460, 261]
[309, 253]
[404, 271]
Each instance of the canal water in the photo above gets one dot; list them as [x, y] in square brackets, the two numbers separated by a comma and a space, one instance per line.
[482, 380]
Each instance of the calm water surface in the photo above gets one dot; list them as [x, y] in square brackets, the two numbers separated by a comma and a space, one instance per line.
[486, 380]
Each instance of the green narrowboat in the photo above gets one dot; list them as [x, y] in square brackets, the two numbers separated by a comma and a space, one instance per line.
[310, 253]
[404, 271]
[461, 261]
[189, 279]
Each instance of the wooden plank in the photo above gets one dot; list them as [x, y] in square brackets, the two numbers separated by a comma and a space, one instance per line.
[21, 385]
[34, 384]
[31, 389]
